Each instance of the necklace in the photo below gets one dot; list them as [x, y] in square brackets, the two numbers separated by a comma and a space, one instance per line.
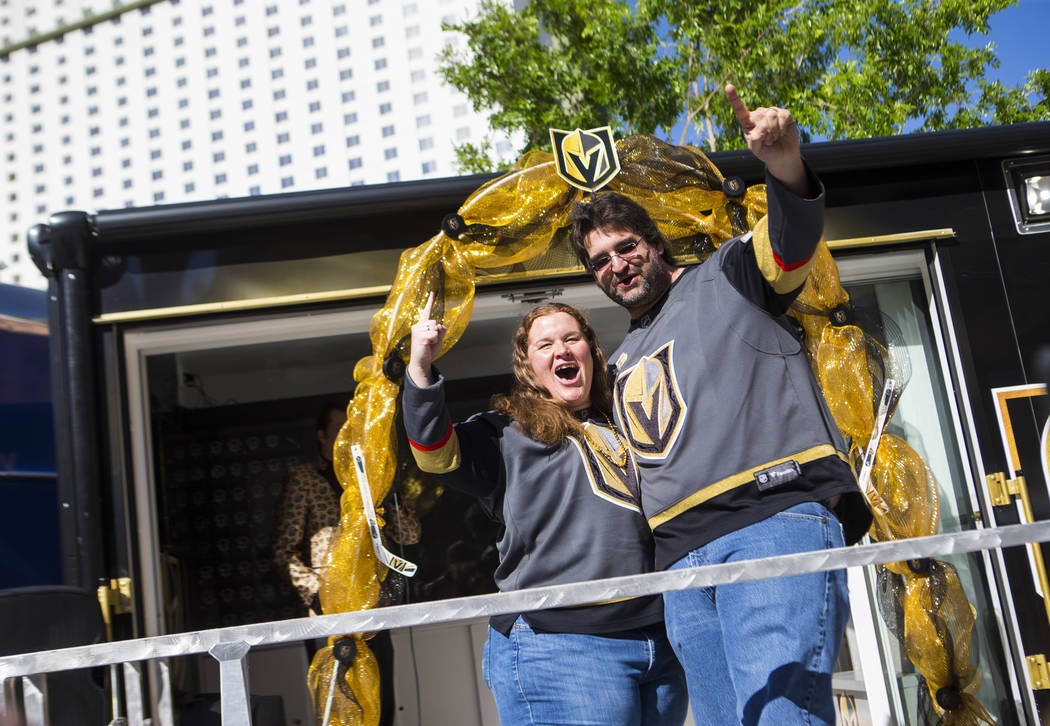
[601, 446]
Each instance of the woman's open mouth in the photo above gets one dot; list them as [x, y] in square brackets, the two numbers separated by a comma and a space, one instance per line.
[567, 372]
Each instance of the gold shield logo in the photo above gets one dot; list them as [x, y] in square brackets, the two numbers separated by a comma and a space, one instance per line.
[585, 159]
[649, 405]
[610, 467]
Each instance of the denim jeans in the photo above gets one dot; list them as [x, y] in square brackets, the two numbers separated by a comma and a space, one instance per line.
[762, 652]
[618, 679]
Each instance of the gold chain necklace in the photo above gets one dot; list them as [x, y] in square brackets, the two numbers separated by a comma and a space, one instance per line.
[601, 446]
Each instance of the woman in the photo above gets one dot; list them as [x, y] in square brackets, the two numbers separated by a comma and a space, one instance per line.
[550, 467]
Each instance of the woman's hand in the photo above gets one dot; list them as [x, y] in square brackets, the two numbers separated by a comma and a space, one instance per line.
[427, 337]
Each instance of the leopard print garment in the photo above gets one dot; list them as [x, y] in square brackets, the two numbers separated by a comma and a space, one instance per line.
[305, 519]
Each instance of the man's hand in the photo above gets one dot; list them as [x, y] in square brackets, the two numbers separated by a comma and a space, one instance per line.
[772, 136]
[427, 337]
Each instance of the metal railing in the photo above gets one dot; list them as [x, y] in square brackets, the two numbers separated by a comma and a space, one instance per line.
[229, 646]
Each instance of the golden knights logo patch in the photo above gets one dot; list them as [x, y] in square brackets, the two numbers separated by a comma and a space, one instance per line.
[649, 404]
[585, 159]
[610, 467]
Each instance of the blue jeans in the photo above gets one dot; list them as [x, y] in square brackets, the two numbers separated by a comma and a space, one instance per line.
[762, 652]
[626, 678]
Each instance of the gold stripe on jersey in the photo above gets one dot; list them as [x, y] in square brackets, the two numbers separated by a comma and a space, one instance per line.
[781, 280]
[732, 482]
[441, 460]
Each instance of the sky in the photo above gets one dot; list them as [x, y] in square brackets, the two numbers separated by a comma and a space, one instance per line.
[1020, 36]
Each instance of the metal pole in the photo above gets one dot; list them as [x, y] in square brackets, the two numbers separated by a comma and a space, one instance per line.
[233, 682]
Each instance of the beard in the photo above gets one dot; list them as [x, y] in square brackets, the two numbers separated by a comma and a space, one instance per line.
[653, 280]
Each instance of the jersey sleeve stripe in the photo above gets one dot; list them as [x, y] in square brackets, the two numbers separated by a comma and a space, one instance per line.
[433, 447]
[783, 278]
[440, 458]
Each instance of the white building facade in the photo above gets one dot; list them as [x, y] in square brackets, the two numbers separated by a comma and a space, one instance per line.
[184, 100]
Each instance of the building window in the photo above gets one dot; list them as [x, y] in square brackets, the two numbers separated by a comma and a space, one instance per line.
[246, 83]
[429, 167]
[285, 159]
[188, 187]
[375, 20]
[254, 191]
[158, 196]
[218, 156]
[216, 135]
[390, 153]
[378, 42]
[319, 150]
[353, 140]
[420, 98]
[287, 181]
[393, 176]
[220, 178]
[355, 163]
[388, 130]
[349, 118]
[417, 76]
[158, 174]
[342, 53]
[427, 143]
[187, 145]
[250, 147]
[380, 64]
[412, 31]
[321, 172]
[385, 108]
[275, 52]
[283, 138]
[346, 74]
[422, 121]
[315, 106]
[348, 96]
[153, 154]
[463, 133]
[253, 169]
[316, 128]
[215, 113]
[311, 85]
[187, 166]
[415, 53]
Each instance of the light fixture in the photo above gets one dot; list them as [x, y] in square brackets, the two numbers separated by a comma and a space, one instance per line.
[1028, 189]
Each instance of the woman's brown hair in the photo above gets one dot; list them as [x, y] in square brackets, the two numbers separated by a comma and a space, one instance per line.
[530, 404]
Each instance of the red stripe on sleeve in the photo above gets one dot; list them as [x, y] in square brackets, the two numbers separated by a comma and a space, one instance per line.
[792, 266]
[433, 447]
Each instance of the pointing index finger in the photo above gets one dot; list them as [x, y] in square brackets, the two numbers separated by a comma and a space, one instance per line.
[425, 314]
[743, 114]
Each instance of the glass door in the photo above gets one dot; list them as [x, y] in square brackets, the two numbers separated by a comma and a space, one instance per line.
[896, 287]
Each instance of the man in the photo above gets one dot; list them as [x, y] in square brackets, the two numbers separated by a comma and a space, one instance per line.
[305, 519]
[307, 512]
[740, 458]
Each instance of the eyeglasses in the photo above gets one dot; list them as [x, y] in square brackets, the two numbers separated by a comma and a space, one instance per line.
[625, 251]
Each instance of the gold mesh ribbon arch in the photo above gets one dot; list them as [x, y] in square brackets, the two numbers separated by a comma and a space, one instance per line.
[509, 220]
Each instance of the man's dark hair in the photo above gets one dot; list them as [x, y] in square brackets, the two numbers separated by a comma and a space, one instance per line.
[611, 210]
[332, 405]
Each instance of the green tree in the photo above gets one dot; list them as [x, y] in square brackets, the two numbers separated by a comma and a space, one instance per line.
[845, 68]
[563, 64]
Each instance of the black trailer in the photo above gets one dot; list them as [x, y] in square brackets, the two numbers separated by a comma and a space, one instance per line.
[191, 344]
